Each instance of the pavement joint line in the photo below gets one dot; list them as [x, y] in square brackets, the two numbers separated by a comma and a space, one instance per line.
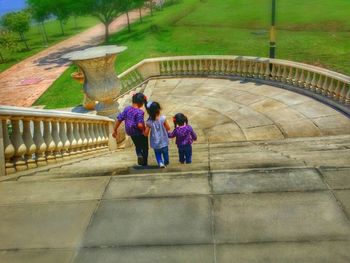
[211, 205]
[16, 176]
[90, 221]
[208, 195]
[62, 202]
[339, 203]
[263, 242]
[177, 196]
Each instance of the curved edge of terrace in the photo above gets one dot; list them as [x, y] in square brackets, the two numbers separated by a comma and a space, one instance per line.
[31, 138]
[324, 85]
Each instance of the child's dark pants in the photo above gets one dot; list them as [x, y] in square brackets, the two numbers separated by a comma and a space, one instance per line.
[141, 145]
[162, 155]
[185, 153]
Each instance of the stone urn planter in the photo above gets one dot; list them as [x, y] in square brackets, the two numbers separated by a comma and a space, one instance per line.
[88, 103]
[101, 81]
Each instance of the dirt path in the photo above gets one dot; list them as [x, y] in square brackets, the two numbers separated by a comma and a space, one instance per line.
[25, 82]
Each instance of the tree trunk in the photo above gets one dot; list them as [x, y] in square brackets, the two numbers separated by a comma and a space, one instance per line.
[23, 39]
[62, 29]
[45, 34]
[75, 22]
[2, 60]
[106, 32]
[151, 7]
[140, 12]
[128, 19]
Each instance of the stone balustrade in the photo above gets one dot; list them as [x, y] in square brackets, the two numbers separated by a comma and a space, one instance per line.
[327, 86]
[30, 138]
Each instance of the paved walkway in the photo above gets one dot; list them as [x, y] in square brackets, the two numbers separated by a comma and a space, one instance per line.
[23, 83]
[280, 199]
[244, 202]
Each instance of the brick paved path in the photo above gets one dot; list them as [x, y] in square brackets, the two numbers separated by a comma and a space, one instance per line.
[23, 83]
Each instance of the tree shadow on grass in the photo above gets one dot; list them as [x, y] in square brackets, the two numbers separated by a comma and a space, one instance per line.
[55, 59]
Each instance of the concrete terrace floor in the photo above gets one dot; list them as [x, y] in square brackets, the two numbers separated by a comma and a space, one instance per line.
[270, 182]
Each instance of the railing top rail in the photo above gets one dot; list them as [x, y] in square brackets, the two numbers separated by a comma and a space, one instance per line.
[299, 65]
[37, 113]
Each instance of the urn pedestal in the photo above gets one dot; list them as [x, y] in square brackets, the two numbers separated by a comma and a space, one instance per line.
[101, 82]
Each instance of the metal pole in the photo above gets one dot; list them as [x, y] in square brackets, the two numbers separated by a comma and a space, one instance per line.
[273, 31]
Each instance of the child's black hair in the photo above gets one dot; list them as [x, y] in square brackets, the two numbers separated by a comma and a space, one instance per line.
[139, 98]
[180, 119]
[153, 110]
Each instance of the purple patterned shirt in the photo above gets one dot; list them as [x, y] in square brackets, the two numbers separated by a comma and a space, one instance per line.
[132, 117]
[184, 135]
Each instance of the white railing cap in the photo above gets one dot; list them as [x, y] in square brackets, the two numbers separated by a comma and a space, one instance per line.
[37, 113]
[299, 65]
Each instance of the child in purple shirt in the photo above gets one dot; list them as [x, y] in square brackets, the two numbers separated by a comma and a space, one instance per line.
[185, 136]
[134, 126]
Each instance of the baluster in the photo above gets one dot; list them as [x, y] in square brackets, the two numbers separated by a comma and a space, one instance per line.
[239, 67]
[250, 72]
[64, 139]
[301, 82]
[256, 70]
[190, 67]
[97, 135]
[244, 68]
[57, 140]
[50, 158]
[9, 149]
[20, 147]
[325, 87]
[267, 71]
[77, 137]
[29, 142]
[313, 85]
[330, 89]
[337, 91]
[273, 72]
[343, 94]
[290, 75]
[295, 80]
[162, 69]
[83, 137]
[284, 74]
[100, 131]
[308, 80]
[93, 135]
[71, 137]
[319, 84]
[261, 71]
[87, 136]
[347, 97]
[39, 143]
[279, 72]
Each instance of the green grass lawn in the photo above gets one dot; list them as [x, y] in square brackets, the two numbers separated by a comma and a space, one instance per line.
[35, 39]
[313, 31]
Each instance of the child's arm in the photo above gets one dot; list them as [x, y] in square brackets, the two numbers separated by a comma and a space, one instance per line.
[147, 129]
[166, 125]
[193, 134]
[116, 126]
[141, 121]
[172, 134]
[121, 117]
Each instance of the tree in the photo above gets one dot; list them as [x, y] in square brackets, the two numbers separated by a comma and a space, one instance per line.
[62, 10]
[7, 41]
[139, 4]
[18, 22]
[40, 12]
[105, 10]
[125, 7]
[150, 4]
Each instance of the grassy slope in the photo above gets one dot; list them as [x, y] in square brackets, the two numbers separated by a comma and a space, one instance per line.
[35, 40]
[313, 31]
